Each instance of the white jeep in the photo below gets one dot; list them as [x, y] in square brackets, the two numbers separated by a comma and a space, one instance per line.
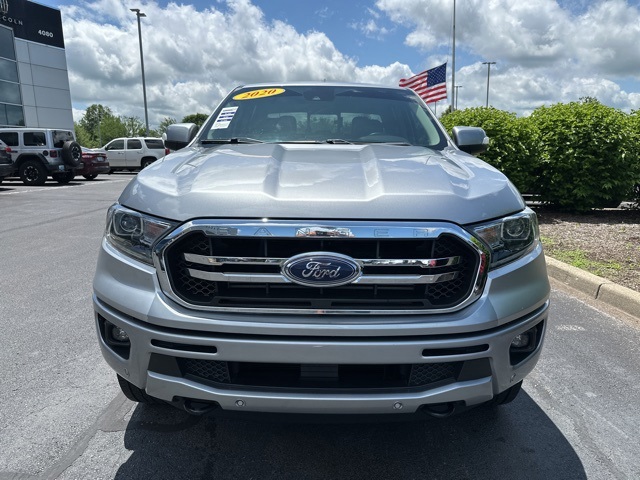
[39, 152]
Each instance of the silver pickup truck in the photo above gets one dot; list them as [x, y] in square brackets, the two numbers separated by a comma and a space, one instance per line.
[321, 249]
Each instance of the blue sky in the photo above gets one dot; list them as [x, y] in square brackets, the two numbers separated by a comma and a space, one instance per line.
[547, 51]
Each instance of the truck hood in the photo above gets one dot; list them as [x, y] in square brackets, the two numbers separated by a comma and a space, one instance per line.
[302, 181]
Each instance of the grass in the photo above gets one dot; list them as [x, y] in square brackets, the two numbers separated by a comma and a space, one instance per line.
[579, 258]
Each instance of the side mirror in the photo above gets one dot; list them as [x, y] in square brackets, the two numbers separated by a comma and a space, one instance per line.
[472, 140]
[179, 135]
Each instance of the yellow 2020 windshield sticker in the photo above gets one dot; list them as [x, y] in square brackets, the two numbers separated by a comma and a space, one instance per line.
[263, 92]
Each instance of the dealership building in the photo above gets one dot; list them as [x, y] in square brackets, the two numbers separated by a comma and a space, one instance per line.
[34, 82]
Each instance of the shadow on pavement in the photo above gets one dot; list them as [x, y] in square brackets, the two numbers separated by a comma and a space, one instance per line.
[517, 441]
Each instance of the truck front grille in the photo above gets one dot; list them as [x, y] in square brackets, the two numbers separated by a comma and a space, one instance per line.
[229, 268]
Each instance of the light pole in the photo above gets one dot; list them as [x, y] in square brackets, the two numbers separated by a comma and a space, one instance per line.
[457, 87]
[144, 86]
[488, 64]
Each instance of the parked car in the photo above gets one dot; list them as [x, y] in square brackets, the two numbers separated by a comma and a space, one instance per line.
[94, 162]
[322, 248]
[6, 164]
[134, 153]
[41, 152]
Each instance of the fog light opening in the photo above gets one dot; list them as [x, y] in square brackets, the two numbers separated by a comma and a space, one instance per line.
[119, 335]
[522, 340]
[524, 344]
[115, 338]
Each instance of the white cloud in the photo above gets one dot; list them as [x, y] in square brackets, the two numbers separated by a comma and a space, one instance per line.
[193, 58]
[546, 51]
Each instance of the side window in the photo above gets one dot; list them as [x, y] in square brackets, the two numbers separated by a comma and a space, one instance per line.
[34, 139]
[134, 144]
[115, 145]
[10, 138]
[154, 144]
[62, 136]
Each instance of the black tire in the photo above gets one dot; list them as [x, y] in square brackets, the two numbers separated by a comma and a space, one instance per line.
[508, 395]
[90, 177]
[63, 178]
[32, 173]
[72, 153]
[136, 394]
[146, 162]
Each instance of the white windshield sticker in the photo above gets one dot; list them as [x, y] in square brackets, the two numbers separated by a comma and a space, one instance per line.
[225, 117]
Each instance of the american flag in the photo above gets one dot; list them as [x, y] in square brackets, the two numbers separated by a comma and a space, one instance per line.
[431, 84]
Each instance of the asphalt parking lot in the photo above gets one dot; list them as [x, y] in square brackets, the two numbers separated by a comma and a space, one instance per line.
[62, 414]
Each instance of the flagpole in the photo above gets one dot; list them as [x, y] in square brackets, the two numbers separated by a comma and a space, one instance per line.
[453, 61]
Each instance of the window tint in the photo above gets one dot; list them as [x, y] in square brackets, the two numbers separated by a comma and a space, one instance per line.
[6, 44]
[10, 92]
[154, 144]
[8, 70]
[10, 138]
[134, 144]
[34, 139]
[11, 115]
[115, 145]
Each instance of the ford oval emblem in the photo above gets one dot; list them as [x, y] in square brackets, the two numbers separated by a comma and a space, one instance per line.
[321, 269]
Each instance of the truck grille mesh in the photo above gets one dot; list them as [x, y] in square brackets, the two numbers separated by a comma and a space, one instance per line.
[445, 292]
[303, 376]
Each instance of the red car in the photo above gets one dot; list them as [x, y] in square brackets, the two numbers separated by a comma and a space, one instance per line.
[94, 161]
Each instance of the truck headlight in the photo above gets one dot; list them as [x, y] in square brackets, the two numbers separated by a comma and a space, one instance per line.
[509, 238]
[134, 233]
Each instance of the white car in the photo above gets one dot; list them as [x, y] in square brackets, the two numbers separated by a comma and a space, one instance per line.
[134, 153]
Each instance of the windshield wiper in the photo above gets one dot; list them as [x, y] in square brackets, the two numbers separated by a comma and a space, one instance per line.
[230, 140]
[334, 141]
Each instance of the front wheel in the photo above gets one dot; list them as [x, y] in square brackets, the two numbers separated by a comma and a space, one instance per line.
[33, 173]
[90, 177]
[136, 394]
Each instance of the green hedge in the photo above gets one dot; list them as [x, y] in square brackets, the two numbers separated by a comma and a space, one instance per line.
[576, 156]
[514, 145]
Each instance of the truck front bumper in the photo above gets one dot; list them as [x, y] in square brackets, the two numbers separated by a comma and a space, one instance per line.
[477, 340]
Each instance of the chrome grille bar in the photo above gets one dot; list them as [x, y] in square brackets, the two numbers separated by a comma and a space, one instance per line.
[379, 262]
[363, 280]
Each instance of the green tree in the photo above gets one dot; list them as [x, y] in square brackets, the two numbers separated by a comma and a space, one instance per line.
[92, 124]
[197, 118]
[162, 128]
[589, 155]
[133, 126]
[513, 147]
[112, 127]
[83, 137]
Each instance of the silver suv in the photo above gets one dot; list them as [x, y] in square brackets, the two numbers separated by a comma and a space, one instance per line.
[321, 248]
[134, 153]
[41, 152]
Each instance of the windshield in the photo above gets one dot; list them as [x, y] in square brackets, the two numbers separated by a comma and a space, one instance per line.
[323, 114]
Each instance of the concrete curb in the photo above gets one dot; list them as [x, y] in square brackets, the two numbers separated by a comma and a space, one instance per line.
[596, 287]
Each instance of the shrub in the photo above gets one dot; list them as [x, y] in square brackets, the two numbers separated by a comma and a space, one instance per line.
[589, 159]
[513, 147]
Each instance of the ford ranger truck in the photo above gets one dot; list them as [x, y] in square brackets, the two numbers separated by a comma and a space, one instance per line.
[321, 248]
